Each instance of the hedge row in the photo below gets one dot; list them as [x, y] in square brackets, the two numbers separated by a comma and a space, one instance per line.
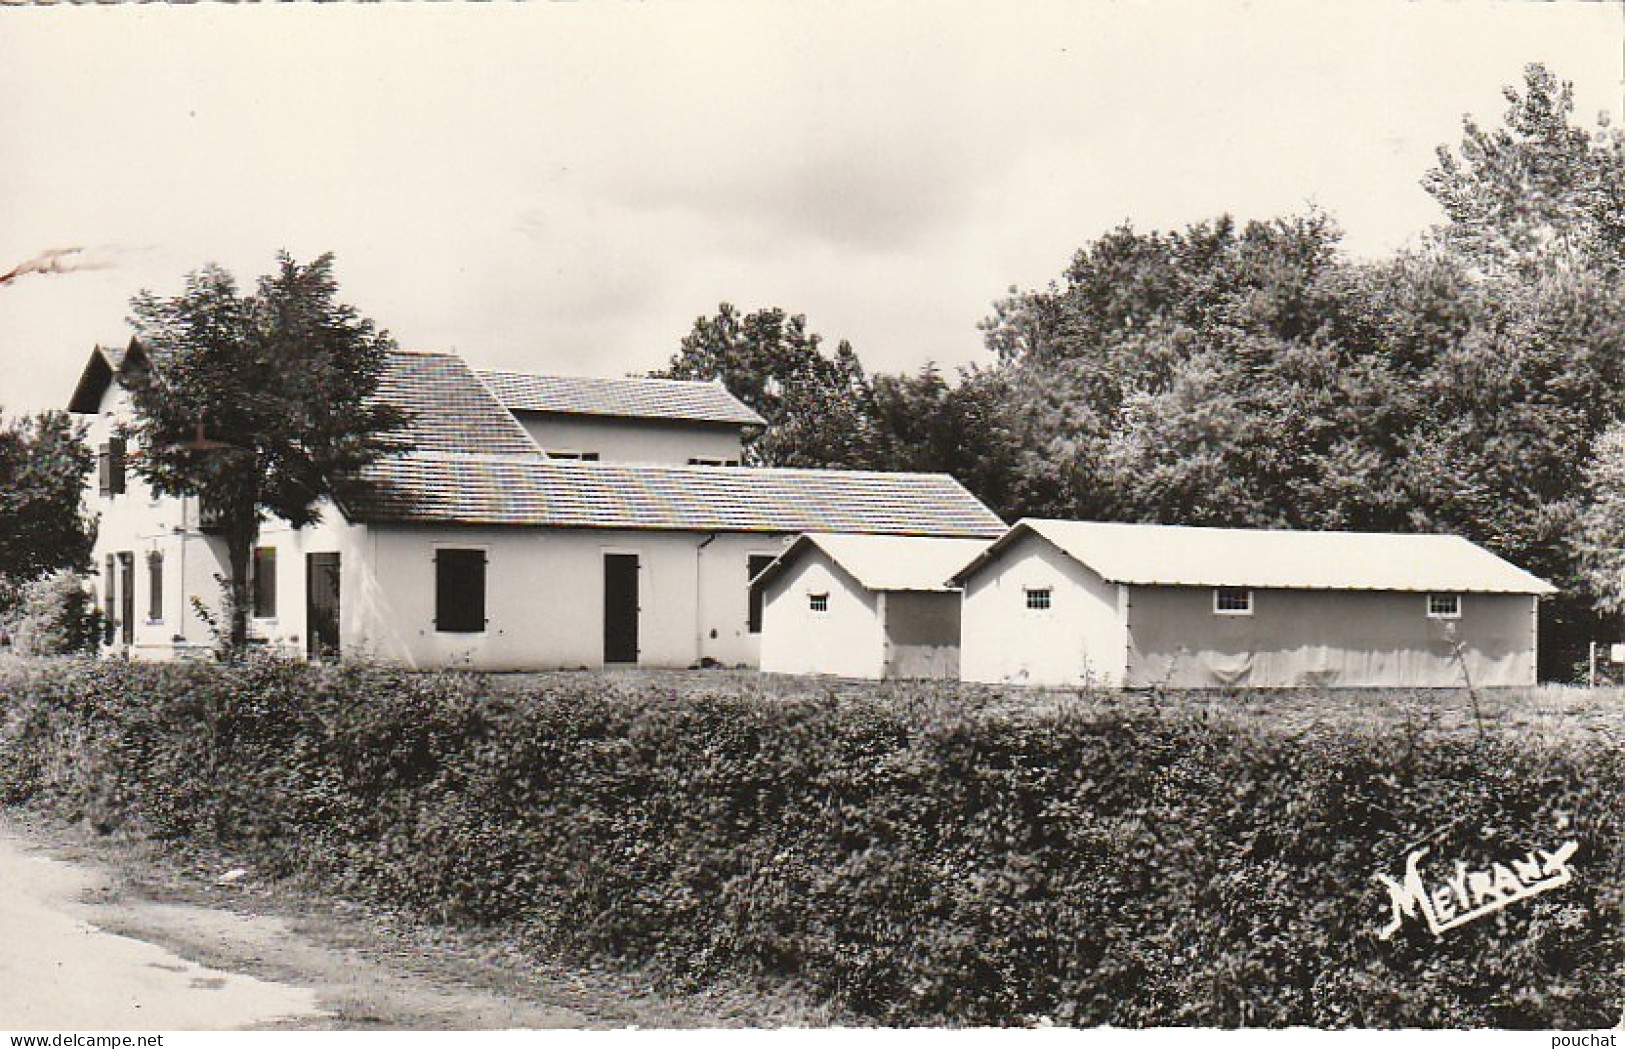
[907, 855]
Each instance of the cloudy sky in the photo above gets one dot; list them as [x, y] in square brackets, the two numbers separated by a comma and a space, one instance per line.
[565, 187]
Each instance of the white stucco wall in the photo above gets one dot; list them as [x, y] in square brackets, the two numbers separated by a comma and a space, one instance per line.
[1079, 640]
[137, 523]
[633, 440]
[847, 640]
[545, 597]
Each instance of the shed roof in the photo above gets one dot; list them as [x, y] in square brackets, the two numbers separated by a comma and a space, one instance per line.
[629, 398]
[530, 490]
[886, 562]
[1173, 555]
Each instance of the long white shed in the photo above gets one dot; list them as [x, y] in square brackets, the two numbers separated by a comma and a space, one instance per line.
[1066, 603]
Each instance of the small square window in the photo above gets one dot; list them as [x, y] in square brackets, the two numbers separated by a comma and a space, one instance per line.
[1233, 601]
[1444, 606]
[1038, 599]
[818, 602]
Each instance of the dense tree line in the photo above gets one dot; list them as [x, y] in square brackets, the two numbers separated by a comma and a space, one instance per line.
[1252, 374]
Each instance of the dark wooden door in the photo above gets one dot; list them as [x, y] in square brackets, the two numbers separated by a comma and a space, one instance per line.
[620, 608]
[321, 605]
[126, 603]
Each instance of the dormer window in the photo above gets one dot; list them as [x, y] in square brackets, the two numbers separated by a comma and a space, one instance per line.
[582, 457]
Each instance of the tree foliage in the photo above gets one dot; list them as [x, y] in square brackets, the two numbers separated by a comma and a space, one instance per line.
[256, 402]
[44, 466]
[817, 407]
[1253, 375]
[1535, 193]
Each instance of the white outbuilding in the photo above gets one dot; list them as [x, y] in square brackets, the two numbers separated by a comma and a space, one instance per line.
[864, 606]
[1067, 603]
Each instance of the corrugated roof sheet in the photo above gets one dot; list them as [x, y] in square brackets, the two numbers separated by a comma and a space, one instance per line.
[1171, 555]
[630, 398]
[449, 411]
[887, 562]
[515, 490]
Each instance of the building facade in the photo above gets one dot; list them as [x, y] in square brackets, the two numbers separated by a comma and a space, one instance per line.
[472, 546]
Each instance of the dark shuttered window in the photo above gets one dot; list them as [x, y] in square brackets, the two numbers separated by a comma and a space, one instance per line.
[110, 467]
[265, 582]
[459, 591]
[155, 587]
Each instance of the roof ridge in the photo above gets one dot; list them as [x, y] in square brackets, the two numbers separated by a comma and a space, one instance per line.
[593, 378]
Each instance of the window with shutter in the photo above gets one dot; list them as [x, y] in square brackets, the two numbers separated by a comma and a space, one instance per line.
[155, 587]
[115, 466]
[459, 591]
[265, 582]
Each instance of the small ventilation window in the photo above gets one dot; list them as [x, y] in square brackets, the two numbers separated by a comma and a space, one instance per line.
[1444, 606]
[1233, 601]
[818, 602]
[1038, 599]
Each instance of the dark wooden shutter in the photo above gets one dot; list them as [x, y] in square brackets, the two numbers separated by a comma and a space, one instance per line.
[459, 591]
[155, 587]
[264, 582]
[104, 470]
[115, 465]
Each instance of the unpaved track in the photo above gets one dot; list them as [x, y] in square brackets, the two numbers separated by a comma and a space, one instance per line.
[79, 952]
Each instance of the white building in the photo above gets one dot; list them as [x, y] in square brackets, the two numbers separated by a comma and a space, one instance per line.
[1068, 603]
[864, 606]
[474, 547]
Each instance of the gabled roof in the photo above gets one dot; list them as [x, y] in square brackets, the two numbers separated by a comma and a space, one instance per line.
[105, 362]
[675, 399]
[530, 490]
[885, 562]
[1171, 555]
[448, 409]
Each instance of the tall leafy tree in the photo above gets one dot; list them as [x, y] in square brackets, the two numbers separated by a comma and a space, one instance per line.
[44, 466]
[1535, 192]
[257, 402]
[817, 406]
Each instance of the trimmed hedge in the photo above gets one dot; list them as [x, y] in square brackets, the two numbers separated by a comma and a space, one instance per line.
[910, 855]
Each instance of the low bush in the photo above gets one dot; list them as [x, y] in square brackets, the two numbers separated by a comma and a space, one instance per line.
[49, 616]
[911, 855]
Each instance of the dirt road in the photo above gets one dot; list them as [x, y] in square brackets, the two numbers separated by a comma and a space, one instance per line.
[80, 950]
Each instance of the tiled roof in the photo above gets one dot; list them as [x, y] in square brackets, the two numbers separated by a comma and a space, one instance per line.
[1168, 555]
[624, 398]
[512, 490]
[449, 410]
[887, 562]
